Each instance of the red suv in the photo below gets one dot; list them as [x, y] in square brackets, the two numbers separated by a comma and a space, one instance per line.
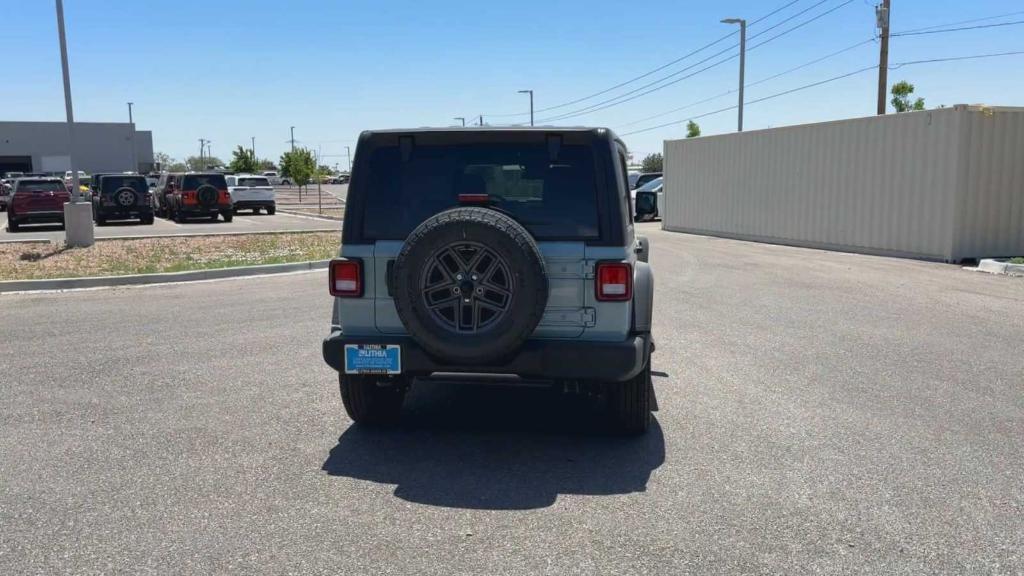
[36, 200]
[195, 195]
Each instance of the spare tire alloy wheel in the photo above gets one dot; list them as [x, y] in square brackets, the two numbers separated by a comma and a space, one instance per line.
[207, 196]
[124, 197]
[470, 285]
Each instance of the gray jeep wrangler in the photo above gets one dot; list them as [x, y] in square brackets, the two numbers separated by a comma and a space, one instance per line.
[483, 254]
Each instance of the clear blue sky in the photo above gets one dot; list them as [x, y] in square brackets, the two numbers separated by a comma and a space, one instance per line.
[228, 70]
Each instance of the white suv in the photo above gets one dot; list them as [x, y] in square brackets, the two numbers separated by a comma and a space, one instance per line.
[276, 179]
[251, 192]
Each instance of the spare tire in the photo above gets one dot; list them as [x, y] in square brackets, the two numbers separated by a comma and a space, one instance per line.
[470, 285]
[207, 196]
[125, 196]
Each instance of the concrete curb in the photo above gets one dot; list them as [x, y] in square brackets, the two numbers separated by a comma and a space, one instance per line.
[993, 266]
[204, 234]
[307, 215]
[25, 241]
[139, 279]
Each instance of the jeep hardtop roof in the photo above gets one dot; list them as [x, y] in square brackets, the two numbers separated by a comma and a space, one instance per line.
[603, 218]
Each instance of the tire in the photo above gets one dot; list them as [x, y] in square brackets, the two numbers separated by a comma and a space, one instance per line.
[271, 210]
[368, 404]
[100, 220]
[178, 217]
[525, 282]
[13, 226]
[228, 216]
[207, 196]
[147, 220]
[630, 403]
[255, 211]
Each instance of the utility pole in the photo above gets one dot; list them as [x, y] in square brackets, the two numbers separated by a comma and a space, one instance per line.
[293, 139]
[463, 119]
[743, 62]
[883, 13]
[78, 230]
[481, 119]
[348, 152]
[131, 123]
[530, 92]
[202, 151]
[253, 149]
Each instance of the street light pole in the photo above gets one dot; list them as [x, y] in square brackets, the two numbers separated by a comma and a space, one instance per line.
[481, 120]
[463, 119]
[202, 151]
[293, 139]
[78, 228]
[348, 152]
[530, 92]
[131, 123]
[743, 61]
[253, 149]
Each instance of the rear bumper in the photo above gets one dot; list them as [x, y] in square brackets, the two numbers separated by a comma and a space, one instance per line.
[40, 216]
[543, 359]
[247, 204]
[119, 213]
[194, 210]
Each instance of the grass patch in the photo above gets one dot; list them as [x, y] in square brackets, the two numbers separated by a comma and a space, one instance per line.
[168, 254]
[1017, 260]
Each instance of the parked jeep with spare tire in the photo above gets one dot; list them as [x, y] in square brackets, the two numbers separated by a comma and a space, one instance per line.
[198, 195]
[491, 254]
[121, 197]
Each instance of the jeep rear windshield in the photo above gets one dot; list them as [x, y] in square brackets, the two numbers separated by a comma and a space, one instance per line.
[112, 183]
[193, 181]
[253, 181]
[555, 199]
[44, 186]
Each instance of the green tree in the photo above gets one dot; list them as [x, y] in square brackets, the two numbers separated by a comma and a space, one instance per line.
[243, 160]
[299, 166]
[652, 162]
[901, 93]
[175, 167]
[196, 164]
[163, 159]
[692, 129]
[266, 164]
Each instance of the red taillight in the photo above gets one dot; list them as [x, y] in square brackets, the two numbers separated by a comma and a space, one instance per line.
[346, 278]
[474, 198]
[614, 281]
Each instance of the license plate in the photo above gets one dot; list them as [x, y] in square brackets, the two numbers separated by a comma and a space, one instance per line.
[373, 359]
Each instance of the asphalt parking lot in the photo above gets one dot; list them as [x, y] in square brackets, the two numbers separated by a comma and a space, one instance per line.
[820, 413]
[244, 222]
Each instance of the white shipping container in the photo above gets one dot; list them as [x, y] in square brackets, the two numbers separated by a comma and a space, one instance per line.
[944, 184]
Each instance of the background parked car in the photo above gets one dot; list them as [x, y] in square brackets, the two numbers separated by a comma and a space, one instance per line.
[644, 178]
[159, 195]
[196, 195]
[5, 194]
[37, 200]
[276, 179]
[121, 197]
[251, 192]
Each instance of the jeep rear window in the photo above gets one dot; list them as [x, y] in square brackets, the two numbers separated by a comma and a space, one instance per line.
[253, 182]
[112, 183]
[554, 199]
[193, 181]
[47, 186]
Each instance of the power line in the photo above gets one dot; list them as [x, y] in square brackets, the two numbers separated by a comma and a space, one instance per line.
[971, 21]
[633, 94]
[659, 68]
[944, 30]
[761, 81]
[826, 81]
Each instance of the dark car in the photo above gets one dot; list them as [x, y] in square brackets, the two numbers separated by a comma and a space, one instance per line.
[197, 195]
[36, 200]
[121, 197]
[491, 255]
[645, 178]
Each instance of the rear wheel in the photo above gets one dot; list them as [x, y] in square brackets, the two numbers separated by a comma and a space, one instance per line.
[271, 210]
[228, 216]
[367, 403]
[100, 220]
[146, 220]
[13, 226]
[630, 402]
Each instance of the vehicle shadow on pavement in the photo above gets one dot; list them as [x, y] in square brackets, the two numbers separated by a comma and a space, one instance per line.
[497, 449]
